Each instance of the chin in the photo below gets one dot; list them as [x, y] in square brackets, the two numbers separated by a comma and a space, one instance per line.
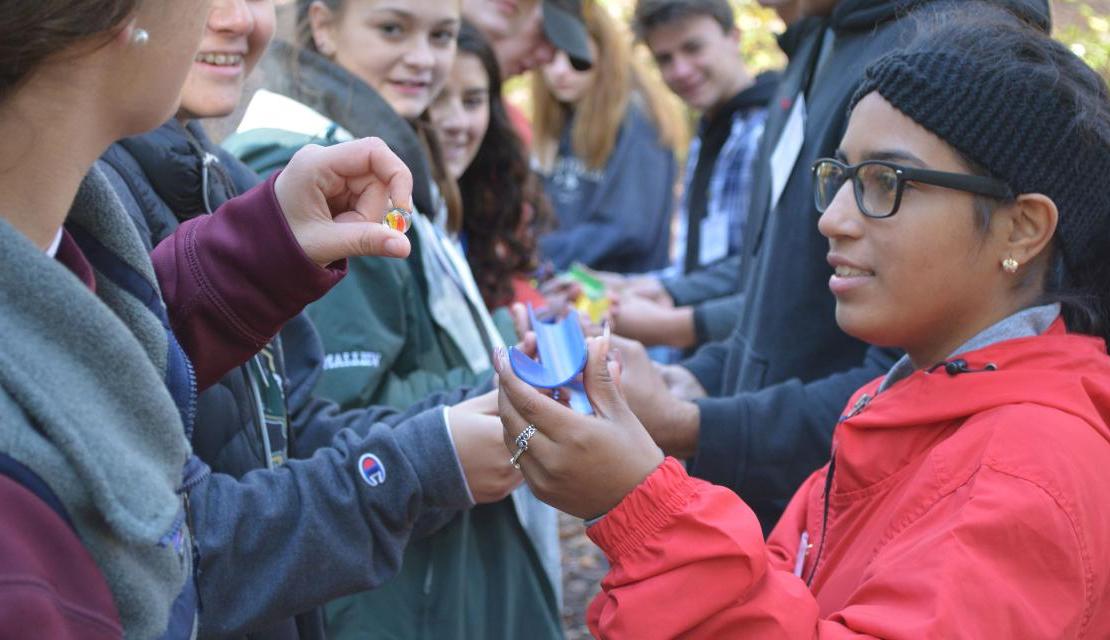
[409, 108]
[858, 323]
[870, 327]
[216, 109]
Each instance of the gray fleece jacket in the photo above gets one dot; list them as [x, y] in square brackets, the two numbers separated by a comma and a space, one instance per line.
[83, 405]
[112, 446]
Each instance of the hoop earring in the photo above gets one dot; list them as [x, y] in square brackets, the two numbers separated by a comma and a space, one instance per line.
[140, 37]
[1009, 265]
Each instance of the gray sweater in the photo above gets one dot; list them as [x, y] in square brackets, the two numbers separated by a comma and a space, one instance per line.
[112, 446]
[92, 417]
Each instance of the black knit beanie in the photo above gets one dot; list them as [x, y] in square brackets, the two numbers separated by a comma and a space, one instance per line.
[1010, 120]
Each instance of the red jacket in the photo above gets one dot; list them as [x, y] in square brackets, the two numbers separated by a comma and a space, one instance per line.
[974, 505]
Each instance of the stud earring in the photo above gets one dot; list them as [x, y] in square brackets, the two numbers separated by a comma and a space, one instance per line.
[140, 37]
[1009, 265]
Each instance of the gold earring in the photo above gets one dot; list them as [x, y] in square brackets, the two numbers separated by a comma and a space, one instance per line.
[1009, 265]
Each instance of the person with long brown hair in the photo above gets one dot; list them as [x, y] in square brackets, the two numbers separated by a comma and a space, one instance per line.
[503, 202]
[606, 140]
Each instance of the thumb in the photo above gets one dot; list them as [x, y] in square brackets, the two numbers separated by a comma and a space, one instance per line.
[338, 239]
[602, 380]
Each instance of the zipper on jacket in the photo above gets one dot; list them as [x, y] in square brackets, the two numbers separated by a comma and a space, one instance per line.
[857, 408]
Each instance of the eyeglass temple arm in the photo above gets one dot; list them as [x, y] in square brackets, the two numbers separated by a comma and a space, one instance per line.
[982, 185]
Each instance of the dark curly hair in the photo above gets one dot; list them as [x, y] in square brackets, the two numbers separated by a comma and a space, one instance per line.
[504, 207]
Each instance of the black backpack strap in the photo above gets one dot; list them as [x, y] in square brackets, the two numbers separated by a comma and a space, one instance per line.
[29, 480]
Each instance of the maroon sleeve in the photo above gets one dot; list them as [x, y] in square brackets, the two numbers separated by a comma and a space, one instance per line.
[50, 587]
[232, 279]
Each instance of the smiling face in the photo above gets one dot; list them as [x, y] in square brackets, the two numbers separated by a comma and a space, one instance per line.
[926, 279]
[236, 36]
[698, 60]
[461, 112]
[401, 48]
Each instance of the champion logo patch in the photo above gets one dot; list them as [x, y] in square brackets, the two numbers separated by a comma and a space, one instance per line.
[372, 469]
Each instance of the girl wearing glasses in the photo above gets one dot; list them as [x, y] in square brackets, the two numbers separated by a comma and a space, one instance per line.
[966, 491]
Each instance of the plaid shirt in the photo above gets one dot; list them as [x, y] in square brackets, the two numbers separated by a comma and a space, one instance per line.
[730, 184]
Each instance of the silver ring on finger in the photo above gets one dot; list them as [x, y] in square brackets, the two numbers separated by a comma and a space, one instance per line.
[522, 444]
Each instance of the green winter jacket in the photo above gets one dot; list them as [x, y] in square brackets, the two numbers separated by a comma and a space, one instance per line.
[488, 572]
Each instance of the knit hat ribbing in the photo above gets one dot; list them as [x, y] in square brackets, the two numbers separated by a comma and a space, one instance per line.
[1007, 123]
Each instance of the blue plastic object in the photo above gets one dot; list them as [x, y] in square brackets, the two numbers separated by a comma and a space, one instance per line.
[562, 352]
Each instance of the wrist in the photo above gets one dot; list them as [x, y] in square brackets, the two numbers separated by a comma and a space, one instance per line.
[685, 420]
[681, 332]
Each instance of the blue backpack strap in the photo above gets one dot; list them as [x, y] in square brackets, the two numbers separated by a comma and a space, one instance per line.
[31, 481]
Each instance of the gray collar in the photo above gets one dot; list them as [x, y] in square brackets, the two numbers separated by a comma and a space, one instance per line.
[1025, 323]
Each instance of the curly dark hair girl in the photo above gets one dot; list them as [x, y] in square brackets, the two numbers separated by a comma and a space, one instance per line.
[504, 208]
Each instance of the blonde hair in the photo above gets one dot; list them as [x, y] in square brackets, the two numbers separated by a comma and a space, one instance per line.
[618, 76]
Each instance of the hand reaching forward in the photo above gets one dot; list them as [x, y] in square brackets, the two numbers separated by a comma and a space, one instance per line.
[334, 199]
[476, 431]
[583, 465]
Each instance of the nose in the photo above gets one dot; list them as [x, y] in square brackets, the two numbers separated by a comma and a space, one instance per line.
[842, 218]
[677, 73]
[419, 54]
[231, 16]
[450, 116]
[681, 68]
[558, 66]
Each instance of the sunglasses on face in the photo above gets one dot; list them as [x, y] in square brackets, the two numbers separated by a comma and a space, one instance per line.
[878, 184]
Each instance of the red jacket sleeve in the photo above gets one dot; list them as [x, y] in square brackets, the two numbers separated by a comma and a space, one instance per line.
[688, 560]
[50, 587]
[232, 279]
[997, 558]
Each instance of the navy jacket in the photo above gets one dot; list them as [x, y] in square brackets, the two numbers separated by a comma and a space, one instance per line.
[617, 218]
[160, 178]
[779, 381]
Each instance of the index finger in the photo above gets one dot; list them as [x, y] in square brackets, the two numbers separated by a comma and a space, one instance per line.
[371, 157]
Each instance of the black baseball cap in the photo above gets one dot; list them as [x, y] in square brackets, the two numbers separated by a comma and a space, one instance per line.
[563, 26]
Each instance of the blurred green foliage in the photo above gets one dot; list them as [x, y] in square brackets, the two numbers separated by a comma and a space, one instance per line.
[1085, 27]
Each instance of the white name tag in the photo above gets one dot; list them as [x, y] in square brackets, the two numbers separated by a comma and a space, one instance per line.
[713, 241]
[786, 152]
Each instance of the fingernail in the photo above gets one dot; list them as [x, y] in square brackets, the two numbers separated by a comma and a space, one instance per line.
[498, 363]
[606, 330]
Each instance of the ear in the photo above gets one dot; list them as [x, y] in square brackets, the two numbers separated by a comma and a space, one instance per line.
[125, 35]
[1032, 225]
[321, 22]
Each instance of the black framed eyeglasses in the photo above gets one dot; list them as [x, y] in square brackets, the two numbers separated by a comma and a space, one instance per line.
[878, 184]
